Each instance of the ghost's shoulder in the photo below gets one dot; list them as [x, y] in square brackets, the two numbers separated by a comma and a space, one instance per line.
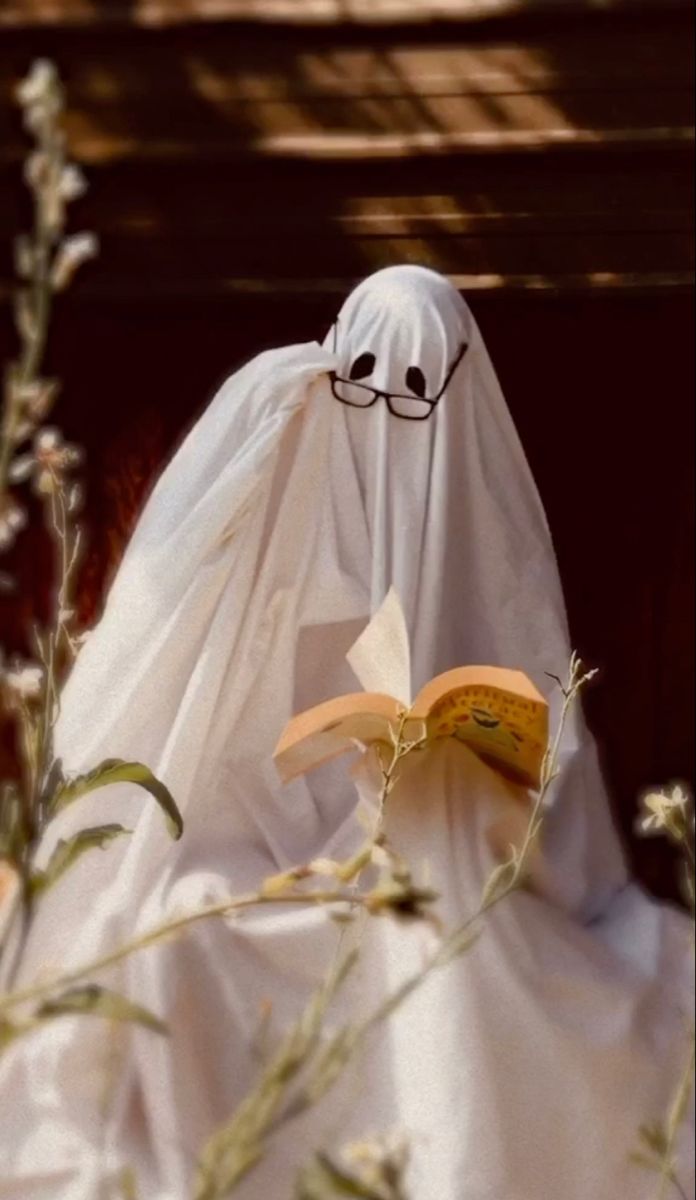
[281, 366]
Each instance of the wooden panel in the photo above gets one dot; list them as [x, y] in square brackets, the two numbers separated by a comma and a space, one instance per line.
[558, 160]
[168, 232]
[222, 98]
[161, 13]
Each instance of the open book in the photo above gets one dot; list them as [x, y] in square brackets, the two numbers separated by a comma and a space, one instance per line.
[497, 712]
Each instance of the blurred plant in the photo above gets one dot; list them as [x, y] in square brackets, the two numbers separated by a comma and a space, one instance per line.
[371, 1170]
[671, 814]
[36, 454]
[45, 261]
[306, 1066]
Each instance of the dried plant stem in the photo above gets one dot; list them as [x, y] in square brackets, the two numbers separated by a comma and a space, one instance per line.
[49, 986]
[680, 1104]
[670, 813]
[37, 729]
[236, 1148]
[330, 897]
[238, 1145]
[68, 542]
[45, 262]
[32, 326]
[323, 1065]
[345, 1044]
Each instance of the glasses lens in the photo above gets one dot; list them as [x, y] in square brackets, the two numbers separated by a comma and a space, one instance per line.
[353, 393]
[411, 408]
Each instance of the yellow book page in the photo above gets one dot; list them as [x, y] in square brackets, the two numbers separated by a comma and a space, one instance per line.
[505, 728]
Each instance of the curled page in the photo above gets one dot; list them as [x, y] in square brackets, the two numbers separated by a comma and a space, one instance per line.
[381, 657]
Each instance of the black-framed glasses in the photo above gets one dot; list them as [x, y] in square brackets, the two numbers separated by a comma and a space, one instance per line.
[408, 406]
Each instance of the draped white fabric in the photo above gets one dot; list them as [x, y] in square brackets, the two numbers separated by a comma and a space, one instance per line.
[523, 1070]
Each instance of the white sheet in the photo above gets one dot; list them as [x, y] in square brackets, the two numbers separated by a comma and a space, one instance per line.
[521, 1072]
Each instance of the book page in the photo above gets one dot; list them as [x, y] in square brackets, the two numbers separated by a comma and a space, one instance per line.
[321, 733]
[502, 726]
[381, 657]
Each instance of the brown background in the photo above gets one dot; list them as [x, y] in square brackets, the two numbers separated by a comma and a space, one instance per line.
[250, 161]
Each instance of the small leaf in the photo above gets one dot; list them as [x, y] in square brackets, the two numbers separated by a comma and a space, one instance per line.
[655, 1137]
[323, 1178]
[349, 870]
[8, 1032]
[642, 1160]
[67, 853]
[128, 1184]
[115, 770]
[499, 881]
[11, 1030]
[92, 1000]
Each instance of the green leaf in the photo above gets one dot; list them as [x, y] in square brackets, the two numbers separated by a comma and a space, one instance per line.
[67, 853]
[115, 770]
[95, 1001]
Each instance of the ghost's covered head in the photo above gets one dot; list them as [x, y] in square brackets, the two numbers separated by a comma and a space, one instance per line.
[400, 338]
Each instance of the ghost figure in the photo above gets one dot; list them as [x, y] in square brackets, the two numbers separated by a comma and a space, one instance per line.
[319, 478]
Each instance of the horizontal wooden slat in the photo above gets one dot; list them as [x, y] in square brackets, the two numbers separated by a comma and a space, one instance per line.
[647, 189]
[92, 150]
[391, 218]
[211, 232]
[163, 13]
[208, 235]
[206, 96]
[520, 255]
[224, 67]
[272, 289]
[221, 163]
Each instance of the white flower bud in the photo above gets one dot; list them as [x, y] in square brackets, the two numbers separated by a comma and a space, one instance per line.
[71, 254]
[39, 83]
[12, 519]
[72, 183]
[24, 682]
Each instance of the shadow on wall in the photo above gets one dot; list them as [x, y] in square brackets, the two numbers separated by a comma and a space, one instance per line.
[229, 160]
